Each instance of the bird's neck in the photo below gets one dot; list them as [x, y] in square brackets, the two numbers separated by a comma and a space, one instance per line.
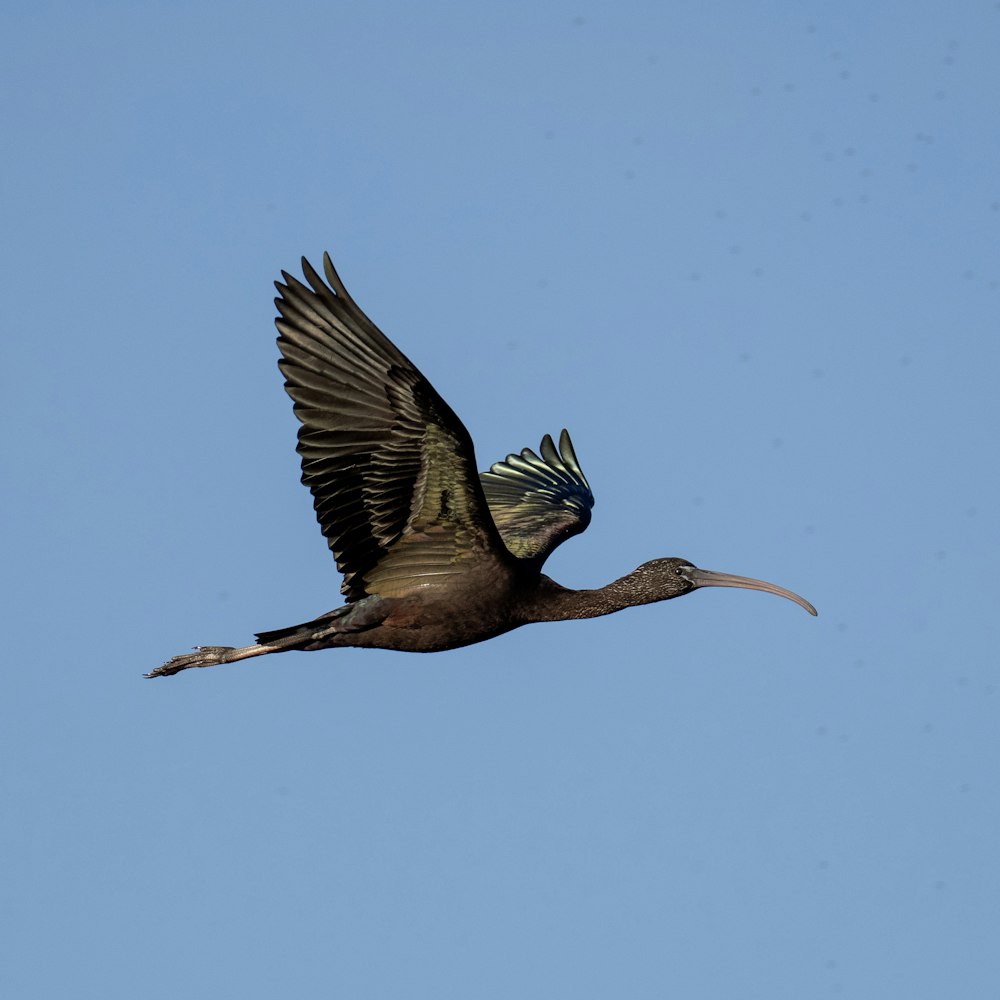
[553, 603]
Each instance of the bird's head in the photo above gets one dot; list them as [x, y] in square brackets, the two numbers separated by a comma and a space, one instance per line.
[662, 579]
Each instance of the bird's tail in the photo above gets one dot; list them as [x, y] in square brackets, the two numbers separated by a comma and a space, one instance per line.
[307, 630]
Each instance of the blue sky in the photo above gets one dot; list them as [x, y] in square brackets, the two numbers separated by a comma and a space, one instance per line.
[750, 255]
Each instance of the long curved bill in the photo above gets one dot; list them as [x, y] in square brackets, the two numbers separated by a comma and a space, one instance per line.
[709, 578]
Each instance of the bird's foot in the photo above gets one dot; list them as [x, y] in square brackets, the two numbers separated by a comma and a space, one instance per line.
[203, 656]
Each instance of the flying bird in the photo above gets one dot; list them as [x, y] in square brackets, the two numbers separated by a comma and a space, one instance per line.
[434, 554]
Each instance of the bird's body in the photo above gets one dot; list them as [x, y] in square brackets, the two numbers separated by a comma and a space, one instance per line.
[434, 555]
[422, 622]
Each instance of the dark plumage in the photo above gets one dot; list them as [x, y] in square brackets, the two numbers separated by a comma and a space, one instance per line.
[434, 555]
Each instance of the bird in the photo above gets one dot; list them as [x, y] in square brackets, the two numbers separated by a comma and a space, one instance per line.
[434, 555]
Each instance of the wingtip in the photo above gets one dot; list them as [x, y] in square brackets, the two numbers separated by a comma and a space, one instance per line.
[331, 272]
[568, 453]
[548, 450]
[312, 276]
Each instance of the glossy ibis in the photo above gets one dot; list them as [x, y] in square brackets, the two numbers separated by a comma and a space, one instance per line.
[434, 555]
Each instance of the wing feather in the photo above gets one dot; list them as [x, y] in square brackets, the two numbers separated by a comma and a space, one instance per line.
[390, 466]
[538, 501]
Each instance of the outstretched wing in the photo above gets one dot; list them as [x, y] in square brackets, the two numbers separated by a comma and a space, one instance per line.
[391, 468]
[537, 502]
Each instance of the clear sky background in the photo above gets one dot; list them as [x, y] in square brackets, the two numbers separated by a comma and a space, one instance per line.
[749, 253]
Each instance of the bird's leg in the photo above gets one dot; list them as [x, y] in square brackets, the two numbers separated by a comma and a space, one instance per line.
[321, 633]
[210, 656]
